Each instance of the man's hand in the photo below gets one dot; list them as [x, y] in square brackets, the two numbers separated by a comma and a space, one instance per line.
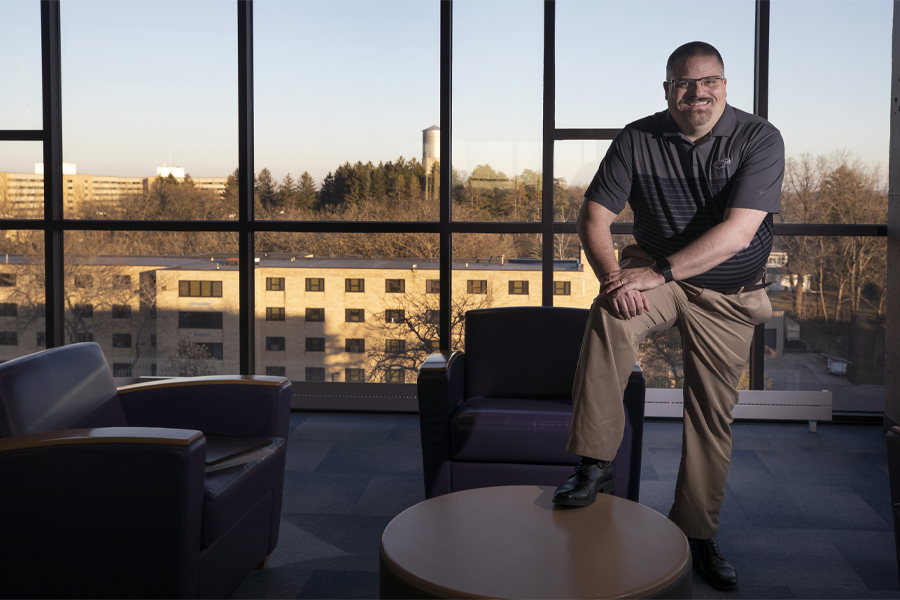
[625, 290]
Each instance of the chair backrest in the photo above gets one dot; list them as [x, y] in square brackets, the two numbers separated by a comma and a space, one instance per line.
[523, 352]
[69, 387]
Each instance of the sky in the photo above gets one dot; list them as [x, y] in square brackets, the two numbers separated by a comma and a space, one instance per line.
[339, 81]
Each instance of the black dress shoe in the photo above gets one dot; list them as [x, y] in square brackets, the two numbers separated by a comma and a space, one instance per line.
[590, 477]
[714, 569]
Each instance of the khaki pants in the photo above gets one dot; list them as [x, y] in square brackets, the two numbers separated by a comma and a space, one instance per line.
[716, 331]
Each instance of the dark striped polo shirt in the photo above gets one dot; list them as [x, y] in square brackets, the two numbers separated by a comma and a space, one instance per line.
[679, 190]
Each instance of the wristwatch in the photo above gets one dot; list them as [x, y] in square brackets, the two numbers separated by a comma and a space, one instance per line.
[664, 266]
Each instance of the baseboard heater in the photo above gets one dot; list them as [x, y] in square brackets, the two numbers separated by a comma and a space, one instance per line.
[752, 404]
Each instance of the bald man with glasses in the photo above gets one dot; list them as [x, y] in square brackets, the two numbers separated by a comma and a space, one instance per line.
[703, 180]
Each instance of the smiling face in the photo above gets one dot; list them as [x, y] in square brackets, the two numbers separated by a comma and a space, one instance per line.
[696, 109]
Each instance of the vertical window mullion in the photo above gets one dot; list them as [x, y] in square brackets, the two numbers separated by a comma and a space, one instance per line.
[446, 191]
[549, 134]
[245, 189]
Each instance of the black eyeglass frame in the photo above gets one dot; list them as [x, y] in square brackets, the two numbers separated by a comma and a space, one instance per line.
[675, 82]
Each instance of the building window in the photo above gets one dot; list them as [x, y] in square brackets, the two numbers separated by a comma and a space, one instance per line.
[354, 345]
[153, 340]
[200, 289]
[432, 286]
[562, 288]
[432, 316]
[355, 315]
[358, 375]
[315, 373]
[122, 282]
[121, 340]
[394, 346]
[40, 310]
[476, 286]
[9, 338]
[214, 349]
[394, 376]
[315, 284]
[276, 371]
[7, 280]
[315, 314]
[122, 369]
[84, 337]
[275, 344]
[394, 316]
[395, 286]
[315, 344]
[354, 285]
[518, 288]
[121, 311]
[83, 311]
[190, 319]
[431, 346]
[41, 338]
[8, 309]
[275, 314]
[275, 284]
[82, 281]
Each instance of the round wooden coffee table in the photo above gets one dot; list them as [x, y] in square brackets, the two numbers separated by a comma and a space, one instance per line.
[511, 542]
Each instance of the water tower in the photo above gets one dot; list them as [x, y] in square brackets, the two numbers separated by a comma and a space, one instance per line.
[431, 147]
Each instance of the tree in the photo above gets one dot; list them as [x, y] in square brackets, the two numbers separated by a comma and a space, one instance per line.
[307, 195]
[266, 190]
[231, 194]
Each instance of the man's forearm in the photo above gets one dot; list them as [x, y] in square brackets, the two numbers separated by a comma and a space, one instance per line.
[596, 240]
[712, 248]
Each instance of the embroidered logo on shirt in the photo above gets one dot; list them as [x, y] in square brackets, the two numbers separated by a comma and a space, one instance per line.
[722, 163]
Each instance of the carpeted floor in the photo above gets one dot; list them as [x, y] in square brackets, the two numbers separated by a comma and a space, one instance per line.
[806, 515]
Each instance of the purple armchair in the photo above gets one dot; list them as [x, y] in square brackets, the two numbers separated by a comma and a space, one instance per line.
[499, 413]
[106, 492]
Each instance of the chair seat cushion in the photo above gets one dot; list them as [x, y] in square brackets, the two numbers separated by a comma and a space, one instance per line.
[232, 492]
[512, 430]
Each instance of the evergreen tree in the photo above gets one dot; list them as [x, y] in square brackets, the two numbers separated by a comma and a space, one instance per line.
[232, 190]
[306, 192]
[266, 190]
[328, 195]
[287, 192]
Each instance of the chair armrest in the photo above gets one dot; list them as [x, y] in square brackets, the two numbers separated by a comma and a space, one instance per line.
[233, 405]
[101, 513]
[440, 388]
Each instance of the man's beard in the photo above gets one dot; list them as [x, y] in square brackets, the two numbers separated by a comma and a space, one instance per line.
[697, 117]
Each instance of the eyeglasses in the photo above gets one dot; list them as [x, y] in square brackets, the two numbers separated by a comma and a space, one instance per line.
[707, 83]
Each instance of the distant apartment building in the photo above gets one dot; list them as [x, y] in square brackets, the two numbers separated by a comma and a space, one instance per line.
[22, 194]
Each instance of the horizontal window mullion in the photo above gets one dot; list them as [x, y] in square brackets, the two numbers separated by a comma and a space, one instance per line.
[831, 229]
[495, 227]
[585, 134]
[21, 135]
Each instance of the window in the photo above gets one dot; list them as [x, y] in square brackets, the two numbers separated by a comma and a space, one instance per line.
[82, 281]
[433, 316]
[275, 314]
[354, 285]
[41, 338]
[315, 314]
[214, 349]
[395, 286]
[476, 286]
[8, 309]
[153, 340]
[84, 337]
[276, 371]
[200, 289]
[431, 346]
[354, 345]
[40, 310]
[518, 288]
[358, 375]
[9, 338]
[122, 282]
[121, 311]
[275, 344]
[275, 284]
[7, 280]
[394, 346]
[122, 369]
[432, 286]
[121, 340]
[394, 316]
[562, 288]
[355, 315]
[83, 311]
[315, 284]
[394, 376]
[315, 373]
[315, 344]
[191, 319]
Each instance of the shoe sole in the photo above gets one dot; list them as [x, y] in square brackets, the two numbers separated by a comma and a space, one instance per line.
[607, 488]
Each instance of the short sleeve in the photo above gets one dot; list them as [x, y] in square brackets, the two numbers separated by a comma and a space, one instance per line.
[757, 183]
[611, 186]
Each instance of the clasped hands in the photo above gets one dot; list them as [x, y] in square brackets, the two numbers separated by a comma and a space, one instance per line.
[625, 290]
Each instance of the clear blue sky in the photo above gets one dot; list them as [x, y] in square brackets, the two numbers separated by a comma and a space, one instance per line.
[346, 81]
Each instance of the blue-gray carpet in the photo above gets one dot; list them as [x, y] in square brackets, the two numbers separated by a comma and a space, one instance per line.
[806, 515]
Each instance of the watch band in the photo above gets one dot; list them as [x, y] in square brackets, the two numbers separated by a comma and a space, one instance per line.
[666, 268]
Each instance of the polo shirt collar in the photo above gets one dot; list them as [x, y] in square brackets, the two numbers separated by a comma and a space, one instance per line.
[723, 128]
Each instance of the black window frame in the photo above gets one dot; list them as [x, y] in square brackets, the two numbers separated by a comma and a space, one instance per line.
[394, 315]
[354, 375]
[314, 344]
[355, 285]
[394, 346]
[121, 311]
[354, 315]
[315, 284]
[355, 345]
[562, 288]
[122, 340]
[318, 315]
[477, 286]
[201, 319]
[187, 288]
[276, 313]
[276, 343]
[518, 287]
[272, 286]
[394, 286]
[9, 309]
[314, 374]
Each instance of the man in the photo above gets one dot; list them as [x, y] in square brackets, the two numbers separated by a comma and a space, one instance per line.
[703, 180]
